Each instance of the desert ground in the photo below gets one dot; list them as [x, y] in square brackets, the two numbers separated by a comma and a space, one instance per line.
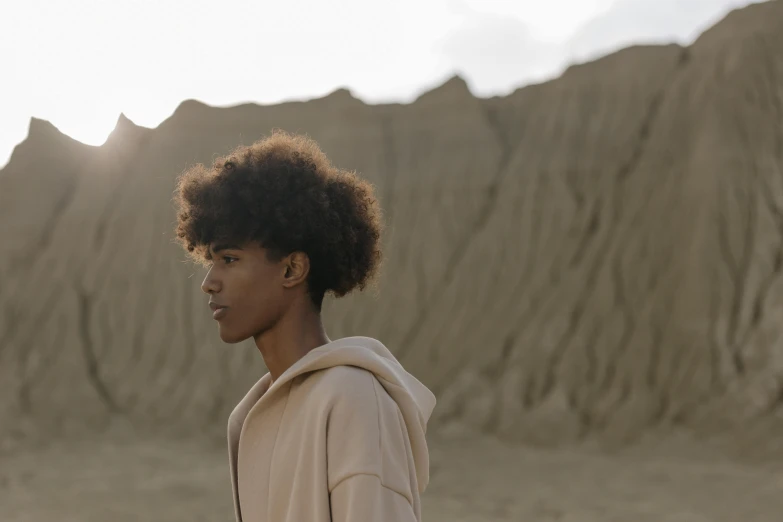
[474, 479]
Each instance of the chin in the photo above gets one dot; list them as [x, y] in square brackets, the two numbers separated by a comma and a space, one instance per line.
[232, 337]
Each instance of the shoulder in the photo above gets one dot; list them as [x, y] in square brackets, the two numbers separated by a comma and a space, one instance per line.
[349, 387]
[345, 375]
[353, 396]
[365, 432]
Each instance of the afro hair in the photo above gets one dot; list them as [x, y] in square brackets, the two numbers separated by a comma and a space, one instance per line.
[283, 192]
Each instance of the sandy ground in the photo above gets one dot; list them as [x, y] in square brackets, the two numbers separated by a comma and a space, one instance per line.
[472, 480]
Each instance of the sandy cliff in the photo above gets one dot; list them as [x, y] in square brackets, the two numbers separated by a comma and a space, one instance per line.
[596, 257]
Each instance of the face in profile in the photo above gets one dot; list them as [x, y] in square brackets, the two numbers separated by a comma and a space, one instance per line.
[246, 290]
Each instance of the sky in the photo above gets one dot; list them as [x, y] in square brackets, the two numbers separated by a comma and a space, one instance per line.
[80, 63]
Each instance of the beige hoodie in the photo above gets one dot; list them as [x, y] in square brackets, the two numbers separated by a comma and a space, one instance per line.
[339, 436]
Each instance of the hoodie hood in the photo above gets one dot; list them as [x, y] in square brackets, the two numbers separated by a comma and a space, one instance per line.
[415, 401]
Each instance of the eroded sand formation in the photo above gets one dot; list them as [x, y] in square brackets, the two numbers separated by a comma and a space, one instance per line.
[593, 258]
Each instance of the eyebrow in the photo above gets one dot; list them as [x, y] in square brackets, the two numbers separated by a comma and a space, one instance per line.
[225, 246]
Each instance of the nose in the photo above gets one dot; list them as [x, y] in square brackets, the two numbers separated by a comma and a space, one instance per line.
[210, 284]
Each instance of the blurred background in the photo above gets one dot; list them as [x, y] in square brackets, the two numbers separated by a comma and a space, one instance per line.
[583, 255]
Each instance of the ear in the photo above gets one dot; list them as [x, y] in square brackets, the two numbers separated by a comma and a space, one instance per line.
[296, 267]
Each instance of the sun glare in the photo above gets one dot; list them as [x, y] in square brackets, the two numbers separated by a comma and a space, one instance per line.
[93, 127]
[88, 129]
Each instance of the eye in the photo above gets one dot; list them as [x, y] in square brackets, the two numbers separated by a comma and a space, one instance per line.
[228, 259]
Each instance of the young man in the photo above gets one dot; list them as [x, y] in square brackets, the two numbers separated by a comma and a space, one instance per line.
[335, 431]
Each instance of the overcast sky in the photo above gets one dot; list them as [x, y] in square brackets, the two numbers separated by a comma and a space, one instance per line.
[79, 63]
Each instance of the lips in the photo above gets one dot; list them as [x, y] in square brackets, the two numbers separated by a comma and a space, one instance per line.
[218, 310]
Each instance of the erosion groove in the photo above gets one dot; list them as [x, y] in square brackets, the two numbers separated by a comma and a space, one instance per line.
[463, 243]
[88, 351]
[582, 260]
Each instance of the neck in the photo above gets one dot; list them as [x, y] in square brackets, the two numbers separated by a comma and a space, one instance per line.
[298, 331]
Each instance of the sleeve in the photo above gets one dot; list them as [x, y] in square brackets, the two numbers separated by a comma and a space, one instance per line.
[363, 498]
[368, 459]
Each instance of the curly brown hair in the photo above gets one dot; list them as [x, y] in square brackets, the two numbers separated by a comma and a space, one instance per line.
[284, 193]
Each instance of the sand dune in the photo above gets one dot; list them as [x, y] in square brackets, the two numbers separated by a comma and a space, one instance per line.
[591, 262]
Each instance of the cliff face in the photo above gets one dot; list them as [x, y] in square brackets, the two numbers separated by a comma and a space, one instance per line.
[595, 256]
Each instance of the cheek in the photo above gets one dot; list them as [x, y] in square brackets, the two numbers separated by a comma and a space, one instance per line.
[259, 296]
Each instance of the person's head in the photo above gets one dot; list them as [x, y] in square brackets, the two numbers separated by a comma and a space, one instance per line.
[279, 227]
